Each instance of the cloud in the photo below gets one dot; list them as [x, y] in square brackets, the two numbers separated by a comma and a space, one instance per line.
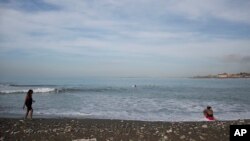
[155, 34]
[246, 59]
[28, 6]
[237, 58]
[229, 10]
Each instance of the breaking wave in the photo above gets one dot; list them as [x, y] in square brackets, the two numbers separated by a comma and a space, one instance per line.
[36, 90]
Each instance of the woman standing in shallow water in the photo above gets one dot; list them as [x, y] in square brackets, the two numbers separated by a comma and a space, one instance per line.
[28, 103]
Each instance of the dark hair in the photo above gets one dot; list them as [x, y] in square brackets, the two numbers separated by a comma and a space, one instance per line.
[209, 107]
[29, 92]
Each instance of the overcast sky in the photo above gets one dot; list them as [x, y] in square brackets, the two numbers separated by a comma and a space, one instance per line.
[127, 38]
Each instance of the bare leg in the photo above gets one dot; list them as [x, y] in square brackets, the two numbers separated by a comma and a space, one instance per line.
[27, 112]
[31, 113]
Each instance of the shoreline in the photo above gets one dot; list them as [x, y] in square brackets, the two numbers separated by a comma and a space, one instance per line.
[114, 129]
[53, 117]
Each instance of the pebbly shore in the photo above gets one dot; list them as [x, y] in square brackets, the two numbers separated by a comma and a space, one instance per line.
[113, 130]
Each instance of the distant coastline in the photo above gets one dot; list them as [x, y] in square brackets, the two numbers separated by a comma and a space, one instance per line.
[226, 75]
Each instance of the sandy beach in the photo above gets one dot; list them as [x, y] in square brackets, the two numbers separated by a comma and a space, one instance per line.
[114, 130]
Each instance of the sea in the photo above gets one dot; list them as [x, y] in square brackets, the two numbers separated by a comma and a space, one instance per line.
[128, 98]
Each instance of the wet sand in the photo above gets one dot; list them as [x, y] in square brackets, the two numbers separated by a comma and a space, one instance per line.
[114, 130]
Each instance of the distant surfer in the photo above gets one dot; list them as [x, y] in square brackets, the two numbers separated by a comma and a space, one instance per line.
[28, 103]
[208, 113]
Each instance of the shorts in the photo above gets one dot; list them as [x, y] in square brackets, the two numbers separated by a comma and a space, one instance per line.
[29, 107]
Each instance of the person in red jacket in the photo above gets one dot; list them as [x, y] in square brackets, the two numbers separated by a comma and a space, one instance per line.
[208, 113]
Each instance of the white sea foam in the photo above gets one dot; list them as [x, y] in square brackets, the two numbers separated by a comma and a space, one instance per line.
[44, 90]
[25, 90]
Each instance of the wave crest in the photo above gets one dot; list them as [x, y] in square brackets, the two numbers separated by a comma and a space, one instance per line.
[36, 90]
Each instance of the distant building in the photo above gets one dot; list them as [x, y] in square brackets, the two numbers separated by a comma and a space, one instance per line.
[244, 75]
[235, 76]
[227, 75]
[223, 75]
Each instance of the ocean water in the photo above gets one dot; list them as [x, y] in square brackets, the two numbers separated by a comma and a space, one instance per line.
[152, 99]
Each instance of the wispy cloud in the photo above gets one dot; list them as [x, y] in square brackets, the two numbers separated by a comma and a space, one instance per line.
[237, 58]
[229, 10]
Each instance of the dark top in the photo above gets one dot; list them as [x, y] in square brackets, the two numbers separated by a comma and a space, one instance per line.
[28, 102]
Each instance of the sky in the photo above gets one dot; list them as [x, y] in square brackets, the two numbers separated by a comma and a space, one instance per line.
[123, 38]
